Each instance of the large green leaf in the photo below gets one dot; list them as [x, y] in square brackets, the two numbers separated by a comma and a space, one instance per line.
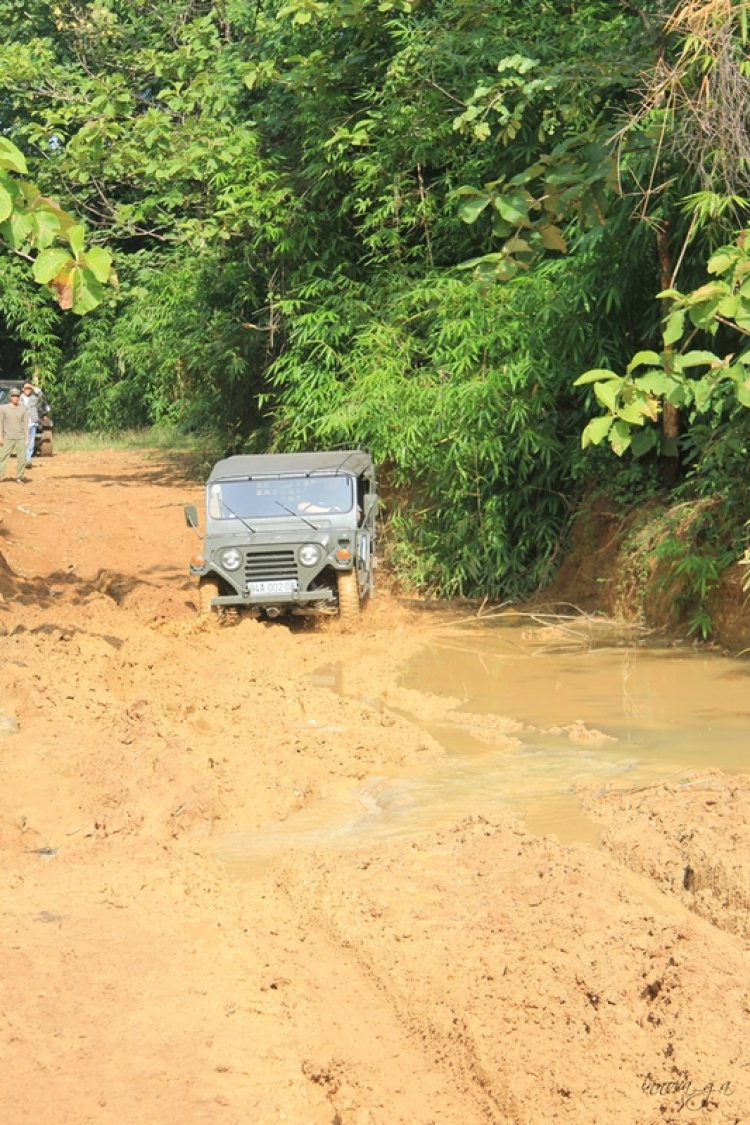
[504, 270]
[513, 207]
[500, 228]
[703, 316]
[76, 236]
[49, 263]
[11, 157]
[702, 390]
[471, 209]
[642, 441]
[595, 376]
[641, 359]
[606, 393]
[99, 261]
[6, 204]
[676, 394]
[699, 359]
[636, 413]
[596, 431]
[87, 292]
[729, 307]
[722, 260]
[655, 382]
[619, 437]
[674, 327]
[485, 260]
[45, 226]
[19, 228]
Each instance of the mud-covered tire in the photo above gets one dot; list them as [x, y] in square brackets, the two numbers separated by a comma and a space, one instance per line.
[208, 588]
[45, 447]
[348, 592]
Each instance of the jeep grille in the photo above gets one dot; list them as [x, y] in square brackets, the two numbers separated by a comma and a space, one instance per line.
[270, 566]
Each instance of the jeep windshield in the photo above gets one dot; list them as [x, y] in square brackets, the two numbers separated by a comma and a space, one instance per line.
[274, 497]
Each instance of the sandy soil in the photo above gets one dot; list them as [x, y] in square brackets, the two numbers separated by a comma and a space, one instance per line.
[690, 835]
[476, 974]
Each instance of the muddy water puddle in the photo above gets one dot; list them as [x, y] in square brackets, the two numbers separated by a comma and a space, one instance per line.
[526, 715]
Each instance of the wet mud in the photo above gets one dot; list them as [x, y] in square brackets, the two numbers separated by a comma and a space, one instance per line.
[288, 873]
[691, 836]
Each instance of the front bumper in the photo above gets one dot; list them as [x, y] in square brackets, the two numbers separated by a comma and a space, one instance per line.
[285, 581]
[294, 598]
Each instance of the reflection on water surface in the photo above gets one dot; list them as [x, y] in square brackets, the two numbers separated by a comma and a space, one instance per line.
[665, 711]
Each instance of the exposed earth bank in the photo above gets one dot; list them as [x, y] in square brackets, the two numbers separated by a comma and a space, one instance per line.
[616, 564]
[476, 973]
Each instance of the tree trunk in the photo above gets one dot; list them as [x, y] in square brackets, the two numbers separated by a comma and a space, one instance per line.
[670, 418]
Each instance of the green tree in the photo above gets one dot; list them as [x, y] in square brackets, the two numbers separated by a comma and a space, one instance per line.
[32, 226]
[285, 189]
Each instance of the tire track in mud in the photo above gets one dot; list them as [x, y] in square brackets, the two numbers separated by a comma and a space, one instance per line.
[690, 836]
[544, 984]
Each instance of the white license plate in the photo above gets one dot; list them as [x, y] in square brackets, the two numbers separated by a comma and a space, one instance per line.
[283, 586]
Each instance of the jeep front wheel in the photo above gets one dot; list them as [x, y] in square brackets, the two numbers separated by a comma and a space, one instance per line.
[348, 592]
[208, 588]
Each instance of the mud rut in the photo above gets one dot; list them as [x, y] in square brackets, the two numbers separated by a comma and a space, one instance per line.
[478, 974]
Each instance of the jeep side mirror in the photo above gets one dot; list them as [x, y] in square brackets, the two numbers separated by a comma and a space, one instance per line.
[191, 516]
[370, 502]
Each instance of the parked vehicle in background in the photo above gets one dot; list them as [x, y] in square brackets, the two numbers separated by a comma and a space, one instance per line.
[43, 440]
[288, 533]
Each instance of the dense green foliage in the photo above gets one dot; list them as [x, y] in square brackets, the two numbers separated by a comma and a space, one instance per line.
[291, 193]
[470, 427]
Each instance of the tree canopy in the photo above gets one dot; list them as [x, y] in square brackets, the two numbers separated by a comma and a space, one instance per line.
[411, 224]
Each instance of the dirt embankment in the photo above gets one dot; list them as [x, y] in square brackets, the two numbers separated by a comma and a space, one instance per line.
[473, 974]
[616, 565]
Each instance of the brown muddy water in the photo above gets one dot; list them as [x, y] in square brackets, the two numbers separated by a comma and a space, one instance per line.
[591, 706]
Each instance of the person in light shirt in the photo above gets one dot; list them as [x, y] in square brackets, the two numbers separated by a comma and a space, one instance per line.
[14, 435]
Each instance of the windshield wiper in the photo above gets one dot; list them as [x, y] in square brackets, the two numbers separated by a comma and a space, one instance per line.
[299, 517]
[247, 525]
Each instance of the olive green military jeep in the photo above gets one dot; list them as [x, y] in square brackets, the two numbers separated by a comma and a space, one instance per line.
[288, 533]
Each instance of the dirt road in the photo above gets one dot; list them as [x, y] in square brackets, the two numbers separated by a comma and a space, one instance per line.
[475, 974]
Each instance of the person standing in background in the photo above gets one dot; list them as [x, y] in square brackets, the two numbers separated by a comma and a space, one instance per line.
[31, 399]
[14, 435]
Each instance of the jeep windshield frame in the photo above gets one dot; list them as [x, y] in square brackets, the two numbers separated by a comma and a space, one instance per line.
[303, 497]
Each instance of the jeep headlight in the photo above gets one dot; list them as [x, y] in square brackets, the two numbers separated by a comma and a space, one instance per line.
[310, 554]
[231, 559]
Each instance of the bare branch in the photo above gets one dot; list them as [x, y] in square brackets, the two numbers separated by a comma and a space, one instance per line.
[702, 99]
[637, 12]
